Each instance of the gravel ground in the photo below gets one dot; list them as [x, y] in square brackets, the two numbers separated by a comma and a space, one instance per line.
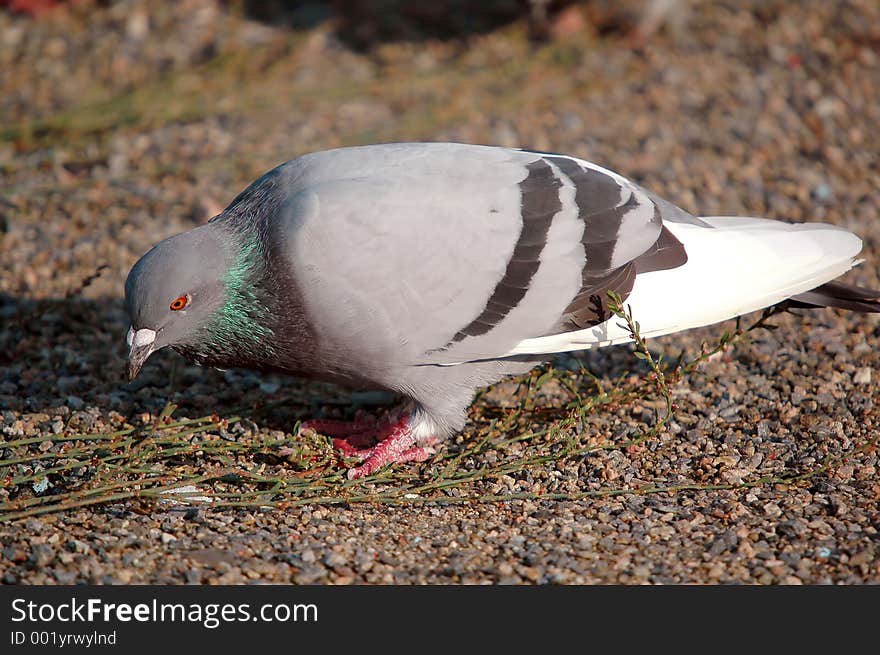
[126, 123]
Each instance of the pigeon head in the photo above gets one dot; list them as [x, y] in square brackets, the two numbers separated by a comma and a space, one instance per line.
[174, 294]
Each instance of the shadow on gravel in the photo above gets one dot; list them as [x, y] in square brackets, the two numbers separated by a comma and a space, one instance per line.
[363, 24]
[71, 352]
[57, 350]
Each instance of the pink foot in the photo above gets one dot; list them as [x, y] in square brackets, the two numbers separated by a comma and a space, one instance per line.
[348, 436]
[343, 429]
[396, 447]
[394, 442]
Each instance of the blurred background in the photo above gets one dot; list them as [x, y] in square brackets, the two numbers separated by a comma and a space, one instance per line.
[126, 121]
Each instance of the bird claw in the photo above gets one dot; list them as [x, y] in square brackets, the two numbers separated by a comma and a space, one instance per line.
[376, 444]
[374, 460]
[350, 450]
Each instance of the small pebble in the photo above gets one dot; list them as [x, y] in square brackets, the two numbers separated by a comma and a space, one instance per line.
[863, 375]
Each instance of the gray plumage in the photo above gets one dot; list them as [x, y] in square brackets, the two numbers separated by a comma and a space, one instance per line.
[417, 268]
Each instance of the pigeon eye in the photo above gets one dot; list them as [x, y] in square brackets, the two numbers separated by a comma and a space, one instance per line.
[179, 303]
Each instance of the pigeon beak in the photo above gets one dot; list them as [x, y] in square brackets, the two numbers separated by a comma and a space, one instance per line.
[140, 347]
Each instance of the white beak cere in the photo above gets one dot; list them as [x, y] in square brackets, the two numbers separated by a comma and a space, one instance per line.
[140, 338]
[140, 347]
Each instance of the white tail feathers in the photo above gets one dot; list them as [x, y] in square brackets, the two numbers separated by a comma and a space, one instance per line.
[742, 265]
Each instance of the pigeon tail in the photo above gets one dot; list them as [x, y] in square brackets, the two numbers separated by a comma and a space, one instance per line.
[742, 264]
[841, 296]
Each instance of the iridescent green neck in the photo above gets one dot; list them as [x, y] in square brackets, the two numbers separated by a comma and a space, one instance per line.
[243, 314]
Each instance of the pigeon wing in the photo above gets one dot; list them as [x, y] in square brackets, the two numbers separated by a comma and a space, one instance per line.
[440, 253]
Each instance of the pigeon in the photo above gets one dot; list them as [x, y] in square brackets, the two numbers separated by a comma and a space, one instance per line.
[434, 269]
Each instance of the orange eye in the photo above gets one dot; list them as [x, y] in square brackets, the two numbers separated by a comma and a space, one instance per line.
[179, 303]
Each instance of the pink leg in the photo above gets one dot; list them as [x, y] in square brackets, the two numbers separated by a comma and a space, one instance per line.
[342, 429]
[375, 443]
[397, 446]
[348, 436]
